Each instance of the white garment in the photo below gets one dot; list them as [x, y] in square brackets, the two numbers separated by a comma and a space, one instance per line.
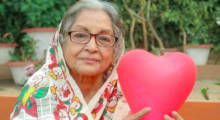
[51, 93]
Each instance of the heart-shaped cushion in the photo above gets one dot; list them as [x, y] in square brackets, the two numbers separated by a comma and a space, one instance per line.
[160, 82]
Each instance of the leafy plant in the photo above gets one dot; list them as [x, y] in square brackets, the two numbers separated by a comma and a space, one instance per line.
[6, 38]
[25, 53]
[16, 15]
[45, 13]
[41, 62]
[204, 92]
[12, 20]
[217, 83]
[196, 16]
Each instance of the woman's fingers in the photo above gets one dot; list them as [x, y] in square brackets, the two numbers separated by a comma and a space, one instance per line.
[176, 116]
[139, 114]
[166, 117]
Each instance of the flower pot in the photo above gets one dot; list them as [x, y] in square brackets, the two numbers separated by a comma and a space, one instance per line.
[167, 51]
[199, 53]
[43, 36]
[17, 70]
[218, 20]
[4, 48]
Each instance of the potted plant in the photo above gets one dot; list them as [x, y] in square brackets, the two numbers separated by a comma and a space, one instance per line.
[198, 48]
[6, 44]
[44, 37]
[21, 58]
[218, 20]
[198, 52]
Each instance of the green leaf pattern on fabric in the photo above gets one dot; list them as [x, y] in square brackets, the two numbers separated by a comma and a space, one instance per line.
[67, 102]
[52, 51]
[40, 93]
[29, 104]
[16, 109]
[24, 90]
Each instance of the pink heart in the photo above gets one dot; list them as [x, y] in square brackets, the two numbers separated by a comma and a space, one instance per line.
[160, 82]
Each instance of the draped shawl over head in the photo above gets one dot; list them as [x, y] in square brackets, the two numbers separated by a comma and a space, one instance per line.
[52, 93]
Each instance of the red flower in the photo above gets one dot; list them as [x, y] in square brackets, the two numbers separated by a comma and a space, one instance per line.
[107, 94]
[56, 113]
[66, 93]
[51, 66]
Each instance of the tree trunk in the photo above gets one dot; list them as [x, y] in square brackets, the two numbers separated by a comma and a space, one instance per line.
[152, 29]
[184, 41]
[131, 33]
[144, 30]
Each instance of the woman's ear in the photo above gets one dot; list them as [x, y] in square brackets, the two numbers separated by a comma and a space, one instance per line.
[62, 46]
[114, 56]
[61, 43]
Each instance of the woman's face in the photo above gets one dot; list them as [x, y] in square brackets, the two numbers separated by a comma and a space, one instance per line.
[89, 59]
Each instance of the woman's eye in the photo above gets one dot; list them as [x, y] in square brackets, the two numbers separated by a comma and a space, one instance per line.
[79, 35]
[105, 39]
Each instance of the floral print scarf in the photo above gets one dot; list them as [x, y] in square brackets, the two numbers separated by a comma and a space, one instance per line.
[52, 94]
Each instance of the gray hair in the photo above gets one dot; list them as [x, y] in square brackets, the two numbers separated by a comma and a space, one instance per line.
[109, 8]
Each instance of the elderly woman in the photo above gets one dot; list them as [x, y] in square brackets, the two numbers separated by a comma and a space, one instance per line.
[79, 79]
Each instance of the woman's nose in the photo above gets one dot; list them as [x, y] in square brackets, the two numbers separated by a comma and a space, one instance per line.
[91, 46]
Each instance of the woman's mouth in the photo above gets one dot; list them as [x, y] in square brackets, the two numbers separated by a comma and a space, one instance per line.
[90, 60]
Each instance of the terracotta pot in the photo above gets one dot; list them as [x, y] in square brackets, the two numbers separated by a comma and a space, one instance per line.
[4, 48]
[17, 70]
[43, 36]
[199, 53]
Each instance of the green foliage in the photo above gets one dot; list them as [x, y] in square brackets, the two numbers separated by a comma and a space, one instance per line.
[45, 13]
[14, 57]
[16, 15]
[41, 62]
[217, 83]
[197, 17]
[27, 52]
[6, 38]
[204, 92]
[11, 20]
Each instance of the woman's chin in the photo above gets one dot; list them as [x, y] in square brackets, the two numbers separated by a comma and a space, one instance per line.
[88, 71]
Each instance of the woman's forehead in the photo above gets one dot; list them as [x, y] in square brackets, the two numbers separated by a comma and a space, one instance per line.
[84, 28]
[91, 20]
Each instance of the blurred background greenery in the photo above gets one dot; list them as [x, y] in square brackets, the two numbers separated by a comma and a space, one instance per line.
[197, 17]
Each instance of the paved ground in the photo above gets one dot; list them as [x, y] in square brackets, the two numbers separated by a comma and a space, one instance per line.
[213, 92]
[7, 87]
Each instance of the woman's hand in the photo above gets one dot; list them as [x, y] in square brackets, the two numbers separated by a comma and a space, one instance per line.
[139, 114]
[175, 115]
